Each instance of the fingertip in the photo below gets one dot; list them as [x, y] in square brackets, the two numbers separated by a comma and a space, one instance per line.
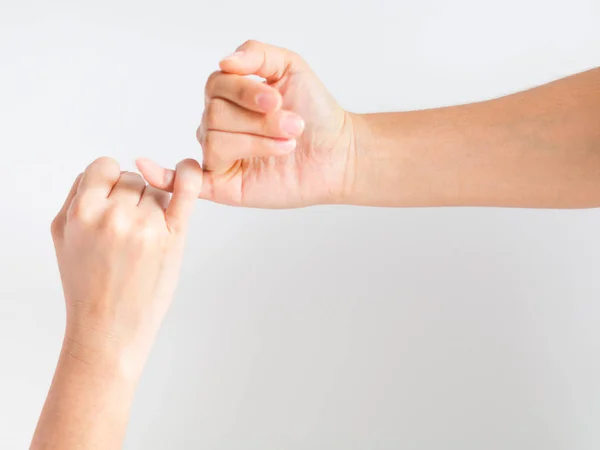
[238, 54]
[144, 163]
[147, 168]
[155, 174]
[232, 62]
[224, 65]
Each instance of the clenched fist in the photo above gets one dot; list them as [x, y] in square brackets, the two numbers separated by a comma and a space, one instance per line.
[119, 246]
[281, 143]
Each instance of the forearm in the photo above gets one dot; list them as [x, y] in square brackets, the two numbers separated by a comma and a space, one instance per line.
[119, 245]
[89, 401]
[537, 148]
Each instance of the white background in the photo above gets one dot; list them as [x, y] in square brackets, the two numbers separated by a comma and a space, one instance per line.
[322, 328]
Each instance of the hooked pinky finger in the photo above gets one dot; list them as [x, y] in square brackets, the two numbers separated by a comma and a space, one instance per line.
[163, 179]
[187, 185]
[156, 175]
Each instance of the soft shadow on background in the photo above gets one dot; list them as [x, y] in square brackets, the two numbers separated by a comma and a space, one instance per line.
[328, 327]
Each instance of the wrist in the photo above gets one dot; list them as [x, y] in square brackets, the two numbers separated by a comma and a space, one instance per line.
[352, 192]
[105, 354]
[388, 166]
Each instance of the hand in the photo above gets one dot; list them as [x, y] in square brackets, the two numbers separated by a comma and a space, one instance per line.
[283, 143]
[119, 246]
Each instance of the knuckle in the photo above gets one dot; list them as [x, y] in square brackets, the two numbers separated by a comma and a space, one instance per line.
[209, 114]
[211, 141]
[241, 92]
[117, 221]
[296, 60]
[215, 111]
[200, 130]
[56, 226]
[147, 231]
[210, 83]
[80, 212]
[215, 143]
[249, 44]
[105, 165]
[136, 178]
[290, 54]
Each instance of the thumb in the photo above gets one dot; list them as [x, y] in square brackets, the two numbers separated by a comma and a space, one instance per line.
[264, 60]
[164, 179]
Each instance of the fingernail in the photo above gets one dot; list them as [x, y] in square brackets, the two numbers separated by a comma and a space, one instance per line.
[267, 102]
[234, 55]
[287, 146]
[292, 124]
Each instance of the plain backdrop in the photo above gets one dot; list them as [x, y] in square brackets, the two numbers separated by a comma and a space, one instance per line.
[321, 328]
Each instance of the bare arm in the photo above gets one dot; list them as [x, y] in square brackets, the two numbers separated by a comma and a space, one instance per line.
[538, 148]
[89, 400]
[119, 246]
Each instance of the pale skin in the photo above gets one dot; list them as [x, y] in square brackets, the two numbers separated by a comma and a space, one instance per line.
[284, 143]
[119, 245]
[287, 143]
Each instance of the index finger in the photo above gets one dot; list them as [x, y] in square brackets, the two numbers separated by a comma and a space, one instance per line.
[247, 93]
[61, 218]
[266, 61]
[70, 196]
[99, 178]
[186, 188]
